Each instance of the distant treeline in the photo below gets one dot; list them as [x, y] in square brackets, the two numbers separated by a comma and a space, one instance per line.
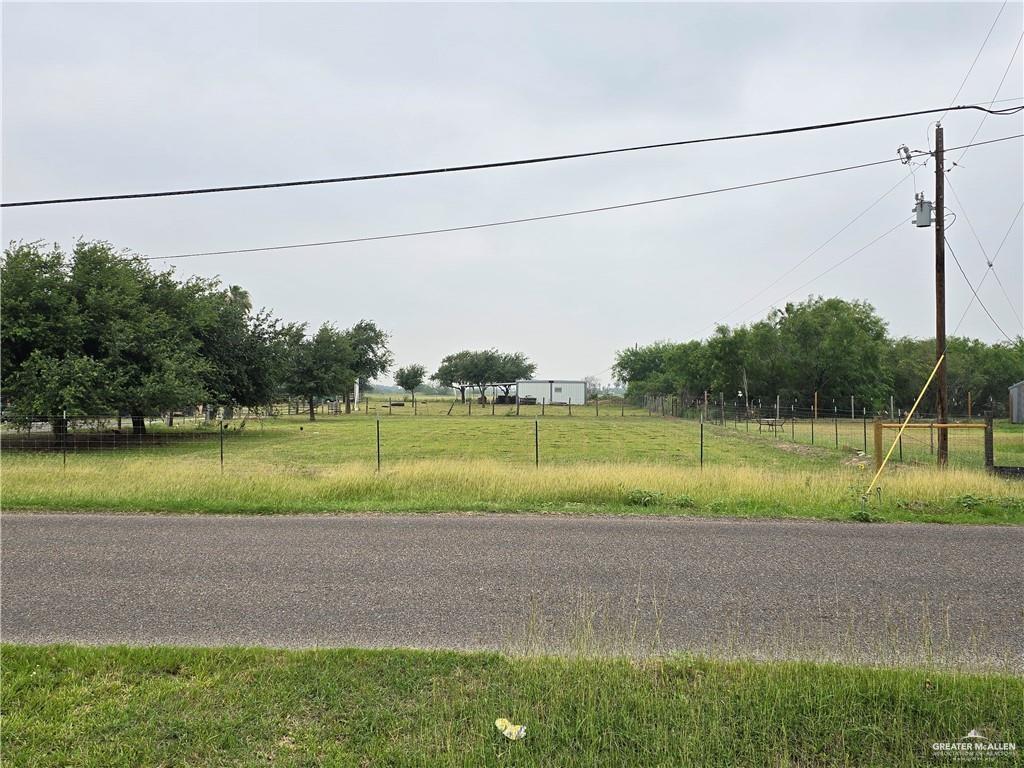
[833, 347]
[99, 332]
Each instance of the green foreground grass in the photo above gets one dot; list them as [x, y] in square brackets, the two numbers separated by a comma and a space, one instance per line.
[482, 463]
[176, 485]
[243, 707]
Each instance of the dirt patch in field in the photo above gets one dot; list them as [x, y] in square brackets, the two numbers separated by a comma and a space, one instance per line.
[858, 460]
[800, 450]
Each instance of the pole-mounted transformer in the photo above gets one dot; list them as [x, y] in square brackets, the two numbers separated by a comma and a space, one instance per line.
[922, 211]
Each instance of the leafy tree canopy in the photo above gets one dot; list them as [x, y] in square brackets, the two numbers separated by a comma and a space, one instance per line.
[410, 377]
[835, 347]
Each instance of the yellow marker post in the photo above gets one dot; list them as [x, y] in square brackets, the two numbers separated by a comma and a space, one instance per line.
[904, 425]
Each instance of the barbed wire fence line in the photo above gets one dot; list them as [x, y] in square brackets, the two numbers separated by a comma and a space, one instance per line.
[595, 431]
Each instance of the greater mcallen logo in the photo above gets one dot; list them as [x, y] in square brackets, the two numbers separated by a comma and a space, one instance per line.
[973, 746]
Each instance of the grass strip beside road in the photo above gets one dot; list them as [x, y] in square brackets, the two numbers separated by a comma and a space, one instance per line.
[156, 483]
[119, 706]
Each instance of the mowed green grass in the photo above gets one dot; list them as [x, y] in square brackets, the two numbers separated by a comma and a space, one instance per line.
[611, 464]
[110, 707]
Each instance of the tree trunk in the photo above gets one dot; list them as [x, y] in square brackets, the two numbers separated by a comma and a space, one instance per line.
[59, 425]
[312, 409]
[462, 393]
[138, 425]
[170, 418]
[229, 412]
[348, 402]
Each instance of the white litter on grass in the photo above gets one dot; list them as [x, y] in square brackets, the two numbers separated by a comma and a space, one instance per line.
[509, 730]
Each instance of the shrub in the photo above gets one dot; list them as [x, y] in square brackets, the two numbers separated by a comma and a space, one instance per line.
[638, 497]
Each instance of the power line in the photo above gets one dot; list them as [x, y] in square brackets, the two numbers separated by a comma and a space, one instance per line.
[973, 291]
[977, 239]
[976, 57]
[523, 220]
[544, 217]
[506, 163]
[809, 256]
[991, 262]
[995, 96]
[821, 274]
[886, 234]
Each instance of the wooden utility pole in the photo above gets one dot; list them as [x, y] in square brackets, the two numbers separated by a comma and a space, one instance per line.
[940, 296]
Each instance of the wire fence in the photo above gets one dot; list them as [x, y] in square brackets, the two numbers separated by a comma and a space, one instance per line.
[382, 431]
[852, 429]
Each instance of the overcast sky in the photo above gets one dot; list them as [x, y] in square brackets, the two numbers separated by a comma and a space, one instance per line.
[106, 99]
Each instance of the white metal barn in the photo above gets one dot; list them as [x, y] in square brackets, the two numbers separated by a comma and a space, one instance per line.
[1017, 403]
[553, 391]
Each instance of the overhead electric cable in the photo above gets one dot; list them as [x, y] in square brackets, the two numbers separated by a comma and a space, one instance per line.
[995, 96]
[821, 274]
[809, 256]
[977, 239]
[976, 57]
[973, 291]
[505, 163]
[544, 217]
[991, 262]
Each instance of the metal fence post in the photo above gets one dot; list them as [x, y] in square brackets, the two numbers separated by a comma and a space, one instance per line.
[222, 445]
[378, 443]
[536, 443]
[835, 421]
[990, 453]
[64, 437]
[879, 448]
[702, 441]
[570, 406]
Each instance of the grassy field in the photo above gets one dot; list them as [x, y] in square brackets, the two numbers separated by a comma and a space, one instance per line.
[244, 707]
[610, 464]
[145, 484]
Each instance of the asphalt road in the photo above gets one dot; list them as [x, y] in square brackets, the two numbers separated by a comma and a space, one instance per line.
[865, 591]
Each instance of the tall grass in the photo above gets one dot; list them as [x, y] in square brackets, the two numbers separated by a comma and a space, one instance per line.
[177, 484]
[114, 707]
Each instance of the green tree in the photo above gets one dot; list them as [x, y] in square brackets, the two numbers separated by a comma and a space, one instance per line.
[482, 368]
[410, 377]
[98, 331]
[139, 324]
[320, 366]
[243, 350]
[371, 356]
[454, 372]
[642, 369]
[38, 314]
[837, 348]
[512, 367]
